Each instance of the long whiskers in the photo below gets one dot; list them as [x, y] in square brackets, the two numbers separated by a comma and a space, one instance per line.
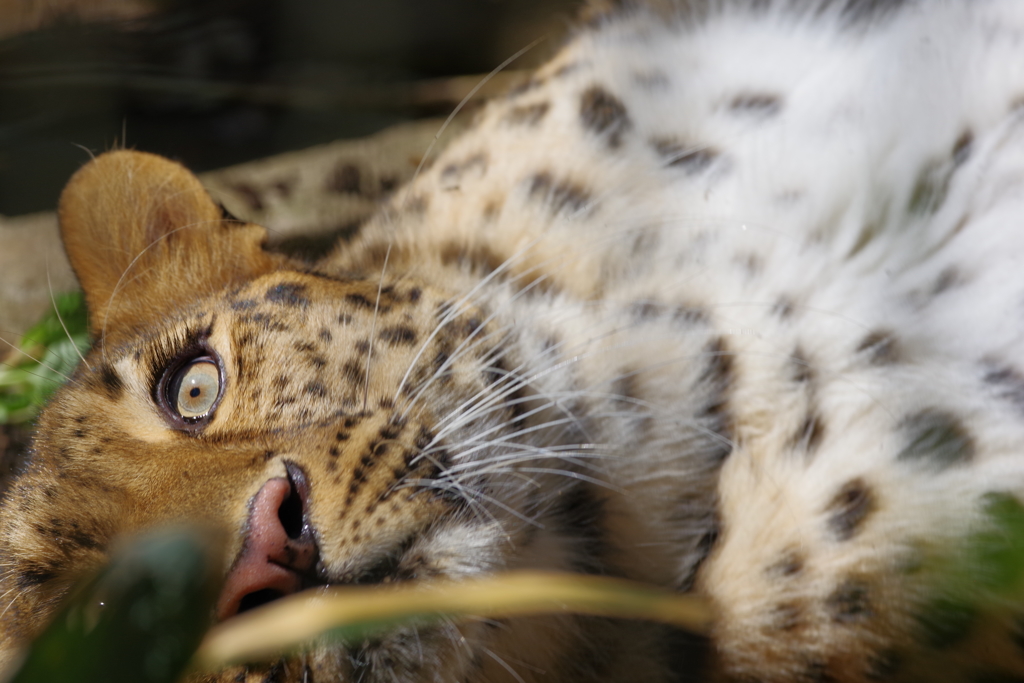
[21, 351]
[470, 496]
[503, 664]
[10, 602]
[578, 453]
[494, 398]
[453, 312]
[469, 344]
[60, 319]
[457, 307]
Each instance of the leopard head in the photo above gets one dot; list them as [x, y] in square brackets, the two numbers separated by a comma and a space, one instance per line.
[342, 427]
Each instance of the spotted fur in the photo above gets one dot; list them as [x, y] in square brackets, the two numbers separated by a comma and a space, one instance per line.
[725, 298]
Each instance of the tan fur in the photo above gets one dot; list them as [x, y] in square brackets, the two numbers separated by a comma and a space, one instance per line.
[706, 303]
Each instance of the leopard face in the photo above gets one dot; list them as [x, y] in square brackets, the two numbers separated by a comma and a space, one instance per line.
[343, 428]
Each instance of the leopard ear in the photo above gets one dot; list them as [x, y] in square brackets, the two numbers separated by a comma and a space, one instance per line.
[144, 237]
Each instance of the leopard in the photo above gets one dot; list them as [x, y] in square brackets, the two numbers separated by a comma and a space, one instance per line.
[725, 298]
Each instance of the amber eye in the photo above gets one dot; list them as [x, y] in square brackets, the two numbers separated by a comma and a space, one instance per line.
[195, 388]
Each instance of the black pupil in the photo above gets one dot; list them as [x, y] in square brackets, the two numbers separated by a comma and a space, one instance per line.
[194, 392]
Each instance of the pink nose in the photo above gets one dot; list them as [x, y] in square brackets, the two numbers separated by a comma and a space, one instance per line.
[278, 550]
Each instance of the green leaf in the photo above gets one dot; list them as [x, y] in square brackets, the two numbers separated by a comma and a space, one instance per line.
[46, 355]
[70, 307]
[997, 552]
[982, 572]
[139, 620]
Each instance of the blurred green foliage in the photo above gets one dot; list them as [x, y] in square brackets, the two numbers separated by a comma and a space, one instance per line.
[997, 552]
[45, 356]
[138, 620]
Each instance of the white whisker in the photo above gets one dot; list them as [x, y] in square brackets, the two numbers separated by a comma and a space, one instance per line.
[123, 279]
[448, 484]
[53, 301]
[453, 312]
[494, 72]
[505, 665]
[19, 350]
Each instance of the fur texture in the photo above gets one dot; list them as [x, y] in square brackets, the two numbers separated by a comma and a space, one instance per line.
[725, 298]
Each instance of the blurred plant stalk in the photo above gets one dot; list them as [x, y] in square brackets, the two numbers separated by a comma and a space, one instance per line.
[350, 614]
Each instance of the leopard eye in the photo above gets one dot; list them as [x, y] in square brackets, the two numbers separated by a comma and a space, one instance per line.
[195, 388]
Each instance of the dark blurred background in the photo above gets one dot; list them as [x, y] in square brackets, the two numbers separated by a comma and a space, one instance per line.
[217, 82]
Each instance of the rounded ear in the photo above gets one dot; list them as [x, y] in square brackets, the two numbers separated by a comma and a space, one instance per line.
[144, 237]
